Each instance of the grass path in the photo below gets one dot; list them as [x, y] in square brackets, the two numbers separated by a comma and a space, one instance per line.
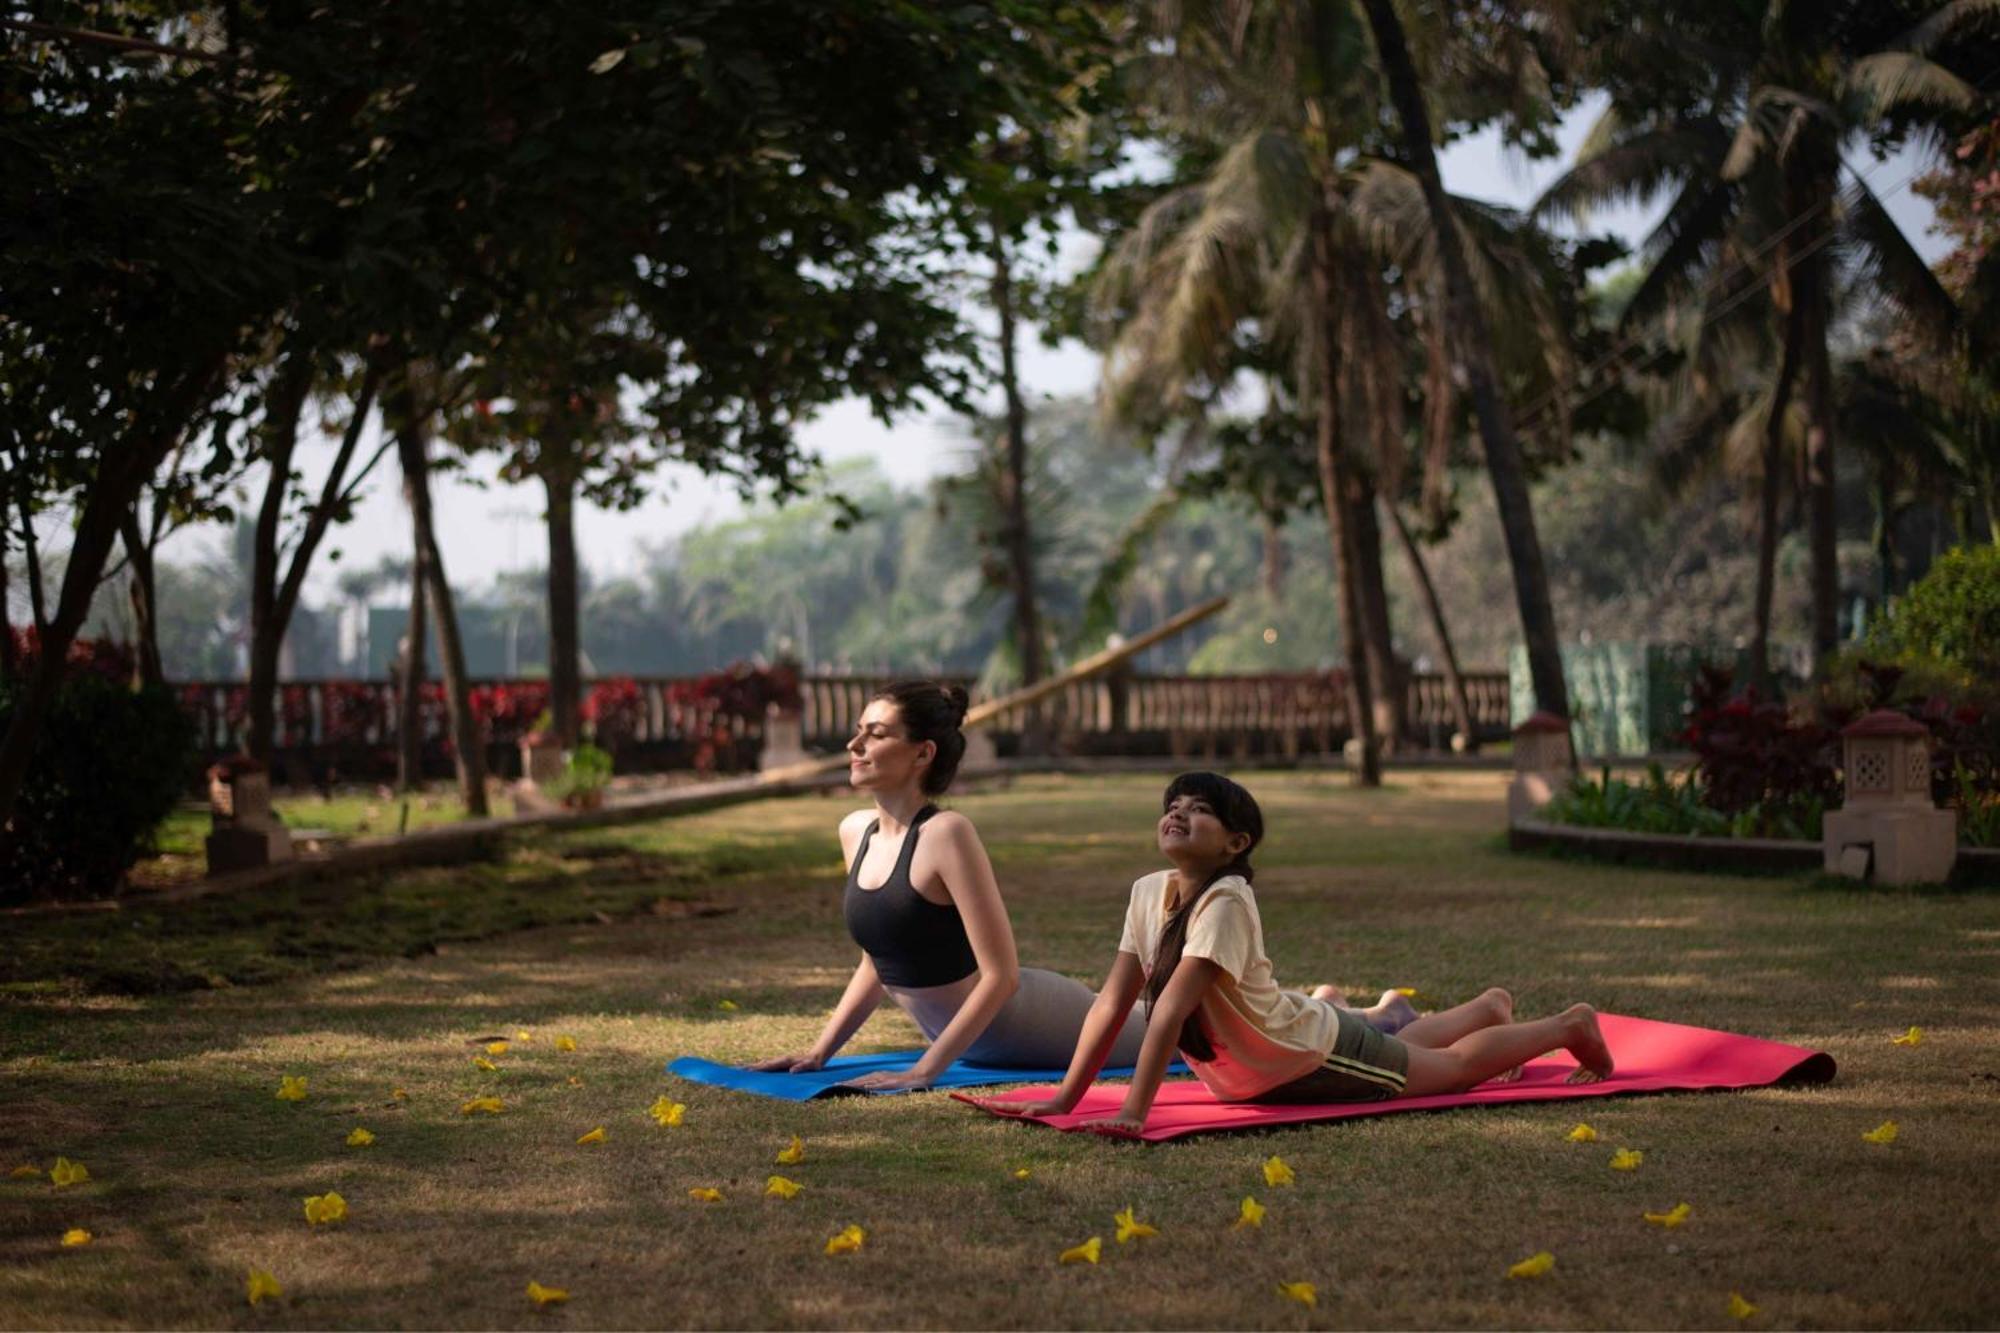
[199, 1172]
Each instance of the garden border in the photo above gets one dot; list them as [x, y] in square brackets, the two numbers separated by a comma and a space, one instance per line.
[1690, 851]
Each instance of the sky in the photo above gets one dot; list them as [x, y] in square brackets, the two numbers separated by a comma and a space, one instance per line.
[492, 529]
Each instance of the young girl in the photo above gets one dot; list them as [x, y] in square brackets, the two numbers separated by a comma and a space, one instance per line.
[1194, 946]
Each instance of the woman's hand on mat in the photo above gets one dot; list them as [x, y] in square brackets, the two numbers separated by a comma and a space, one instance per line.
[802, 1063]
[1116, 1126]
[889, 1080]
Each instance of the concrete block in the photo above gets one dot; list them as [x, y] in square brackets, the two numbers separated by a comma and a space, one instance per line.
[236, 847]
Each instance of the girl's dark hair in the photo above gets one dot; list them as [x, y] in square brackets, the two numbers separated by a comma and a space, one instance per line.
[932, 712]
[1236, 810]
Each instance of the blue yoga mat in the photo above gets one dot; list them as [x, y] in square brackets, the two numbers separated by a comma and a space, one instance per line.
[826, 1081]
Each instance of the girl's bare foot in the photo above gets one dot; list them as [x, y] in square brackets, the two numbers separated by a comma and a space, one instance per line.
[1586, 1043]
[1392, 1013]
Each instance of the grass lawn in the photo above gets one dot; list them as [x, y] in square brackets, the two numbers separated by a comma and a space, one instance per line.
[631, 941]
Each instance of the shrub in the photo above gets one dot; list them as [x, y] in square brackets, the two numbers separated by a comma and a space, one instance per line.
[507, 709]
[1753, 755]
[1950, 615]
[614, 709]
[109, 767]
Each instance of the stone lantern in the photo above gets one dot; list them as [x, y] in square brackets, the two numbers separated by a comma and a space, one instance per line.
[1543, 763]
[1888, 829]
[245, 832]
[541, 758]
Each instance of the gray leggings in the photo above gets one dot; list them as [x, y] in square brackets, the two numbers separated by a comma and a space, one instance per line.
[1039, 1026]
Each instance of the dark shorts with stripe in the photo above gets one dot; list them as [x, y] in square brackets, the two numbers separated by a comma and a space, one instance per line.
[1364, 1066]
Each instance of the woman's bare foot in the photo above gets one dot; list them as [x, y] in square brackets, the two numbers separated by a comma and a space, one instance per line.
[1586, 1043]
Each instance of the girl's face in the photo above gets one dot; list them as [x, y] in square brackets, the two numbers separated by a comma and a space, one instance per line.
[881, 756]
[1190, 834]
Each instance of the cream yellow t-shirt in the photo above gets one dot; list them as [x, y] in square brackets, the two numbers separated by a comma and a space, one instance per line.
[1263, 1037]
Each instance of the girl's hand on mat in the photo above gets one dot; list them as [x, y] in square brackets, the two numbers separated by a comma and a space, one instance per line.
[803, 1063]
[998, 1106]
[1116, 1127]
[889, 1080]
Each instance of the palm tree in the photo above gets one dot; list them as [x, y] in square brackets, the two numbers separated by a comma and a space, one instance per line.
[1754, 155]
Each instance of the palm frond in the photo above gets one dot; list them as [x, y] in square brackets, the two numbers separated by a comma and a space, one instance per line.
[1945, 21]
[1892, 80]
[1633, 170]
[1682, 246]
[1892, 266]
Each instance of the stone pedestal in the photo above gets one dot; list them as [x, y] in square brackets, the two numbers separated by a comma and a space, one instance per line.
[784, 740]
[1543, 765]
[245, 832]
[1889, 830]
[541, 759]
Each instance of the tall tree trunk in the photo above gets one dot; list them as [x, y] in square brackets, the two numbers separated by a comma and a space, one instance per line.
[468, 749]
[1015, 533]
[7, 662]
[1272, 572]
[1503, 451]
[411, 673]
[565, 680]
[1885, 532]
[1385, 673]
[1812, 294]
[121, 472]
[1454, 679]
[144, 594]
[267, 627]
[1333, 490]
[1774, 470]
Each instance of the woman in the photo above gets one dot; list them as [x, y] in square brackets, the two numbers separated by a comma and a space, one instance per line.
[922, 902]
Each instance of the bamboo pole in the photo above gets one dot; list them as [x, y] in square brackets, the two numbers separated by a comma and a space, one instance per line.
[1094, 665]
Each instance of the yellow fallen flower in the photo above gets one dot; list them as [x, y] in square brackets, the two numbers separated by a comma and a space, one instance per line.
[594, 1136]
[728, 1006]
[1251, 1214]
[482, 1063]
[704, 1194]
[1740, 1308]
[1085, 1253]
[1130, 1227]
[485, 1105]
[1583, 1134]
[847, 1241]
[1407, 992]
[1914, 1037]
[260, 1285]
[524, 1035]
[326, 1208]
[575, 1082]
[565, 1043]
[360, 1138]
[666, 1112]
[1022, 1172]
[781, 1188]
[496, 1048]
[400, 1094]
[291, 1088]
[1627, 1159]
[65, 1173]
[1305, 1293]
[793, 1154]
[1534, 1265]
[1670, 1219]
[542, 1295]
[1882, 1133]
[74, 1237]
[1277, 1173]
[25, 1173]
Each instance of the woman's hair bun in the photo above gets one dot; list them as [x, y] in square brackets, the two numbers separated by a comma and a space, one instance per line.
[956, 701]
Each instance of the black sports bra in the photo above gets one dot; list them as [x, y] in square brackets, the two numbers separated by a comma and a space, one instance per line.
[912, 940]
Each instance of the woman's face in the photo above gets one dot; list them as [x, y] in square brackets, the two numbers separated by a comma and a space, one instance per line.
[881, 756]
[1189, 832]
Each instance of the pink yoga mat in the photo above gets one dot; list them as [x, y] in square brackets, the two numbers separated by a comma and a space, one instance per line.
[1650, 1057]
